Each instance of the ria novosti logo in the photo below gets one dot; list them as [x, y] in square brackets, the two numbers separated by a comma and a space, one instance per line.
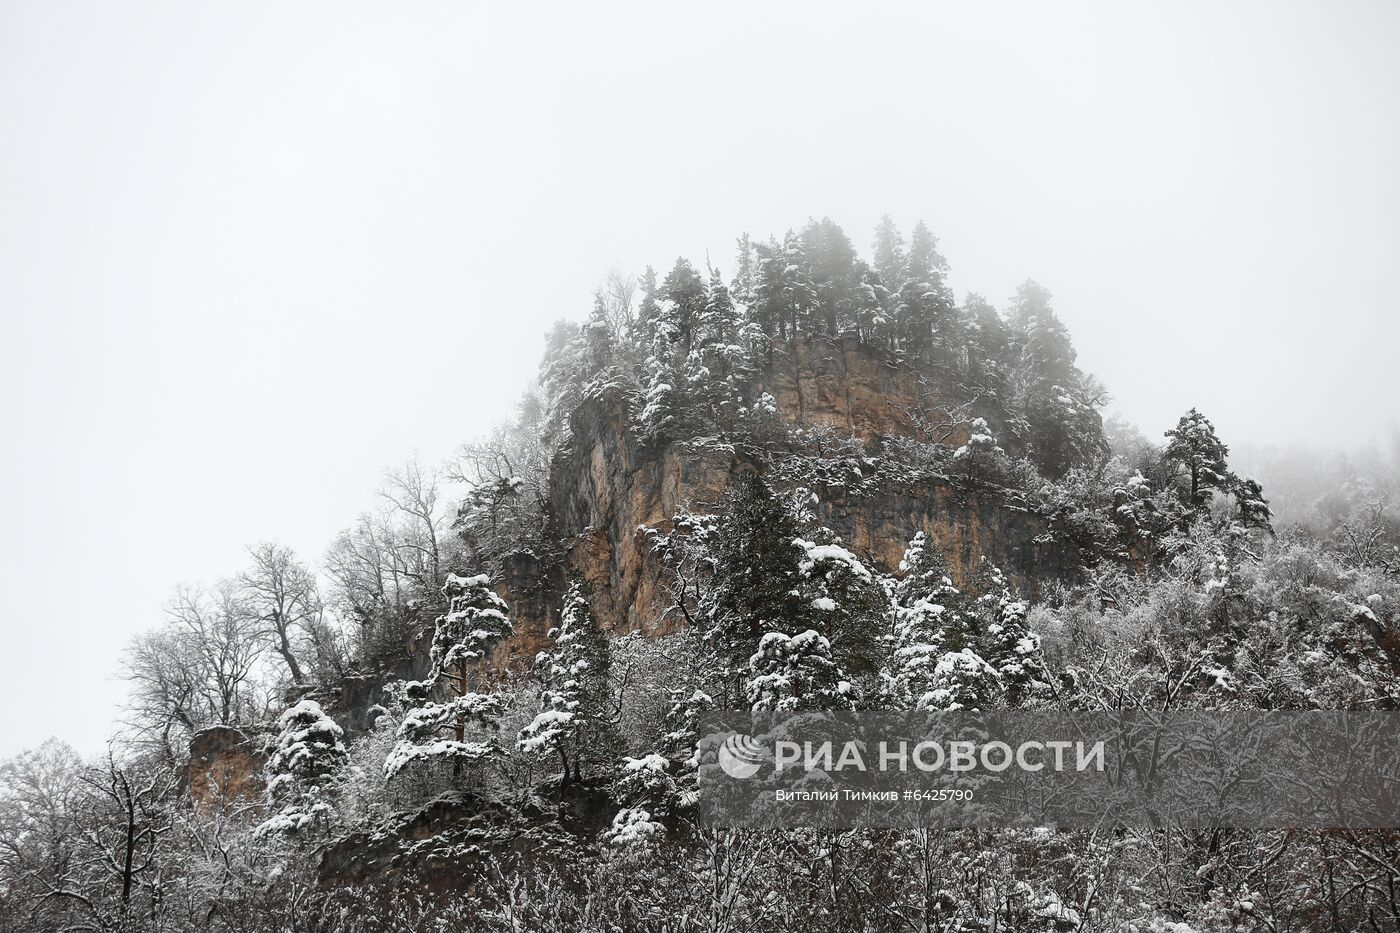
[743, 756]
[740, 756]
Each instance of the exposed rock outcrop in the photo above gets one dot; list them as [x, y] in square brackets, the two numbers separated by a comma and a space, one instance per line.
[607, 486]
[225, 767]
[864, 392]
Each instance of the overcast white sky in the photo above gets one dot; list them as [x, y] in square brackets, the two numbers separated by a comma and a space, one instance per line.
[252, 254]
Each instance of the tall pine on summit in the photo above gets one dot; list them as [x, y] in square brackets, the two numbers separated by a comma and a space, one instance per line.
[927, 314]
[1200, 457]
[1058, 402]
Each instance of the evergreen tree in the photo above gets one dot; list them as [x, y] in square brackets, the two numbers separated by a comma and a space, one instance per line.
[869, 314]
[1136, 514]
[745, 272]
[980, 458]
[959, 650]
[758, 582]
[1199, 456]
[683, 294]
[722, 363]
[925, 601]
[599, 348]
[784, 296]
[800, 301]
[302, 770]
[1048, 353]
[963, 678]
[925, 573]
[962, 681]
[917, 647]
[851, 604]
[463, 638]
[648, 319]
[574, 721]
[796, 673]
[927, 313]
[890, 260]
[770, 292]
[989, 343]
[925, 263]
[563, 376]
[1058, 401]
[831, 260]
[762, 566]
[665, 400]
[719, 321]
[1007, 644]
[1253, 508]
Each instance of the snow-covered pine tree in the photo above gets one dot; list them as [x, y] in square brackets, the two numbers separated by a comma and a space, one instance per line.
[665, 397]
[869, 314]
[959, 650]
[800, 299]
[719, 325]
[831, 260]
[302, 770]
[563, 376]
[1013, 650]
[716, 380]
[1136, 515]
[1059, 402]
[600, 351]
[475, 622]
[574, 721]
[644, 326]
[980, 459]
[851, 605]
[796, 672]
[781, 288]
[917, 646]
[763, 565]
[924, 600]
[682, 305]
[989, 343]
[961, 681]
[889, 262]
[925, 572]
[745, 271]
[756, 581]
[1199, 456]
[927, 315]
[1002, 638]
[1253, 508]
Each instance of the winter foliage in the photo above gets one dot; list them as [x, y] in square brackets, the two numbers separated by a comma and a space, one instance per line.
[475, 621]
[302, 771]
[574, 721]
[370, 690]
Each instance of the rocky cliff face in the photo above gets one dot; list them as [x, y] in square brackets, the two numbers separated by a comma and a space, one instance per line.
[225, 768]
[607, 486]
[861, 391]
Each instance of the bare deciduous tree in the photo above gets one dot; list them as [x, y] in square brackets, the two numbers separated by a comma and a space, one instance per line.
[413, 493]
[280, 592]
[507, 475]
[122, 825]
[199, 669]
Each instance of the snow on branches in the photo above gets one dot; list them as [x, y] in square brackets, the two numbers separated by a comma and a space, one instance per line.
[302, 770]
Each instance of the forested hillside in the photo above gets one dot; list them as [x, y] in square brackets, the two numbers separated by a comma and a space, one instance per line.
[809, 481]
